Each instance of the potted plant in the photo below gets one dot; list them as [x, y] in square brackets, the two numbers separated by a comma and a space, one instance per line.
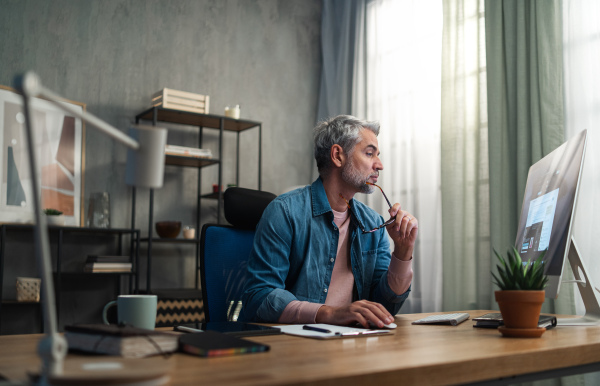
[521, 293]
[54, 217]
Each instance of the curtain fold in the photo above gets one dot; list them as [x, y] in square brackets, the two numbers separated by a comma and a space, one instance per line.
[525, 107]
[342, 28]
[464, 154]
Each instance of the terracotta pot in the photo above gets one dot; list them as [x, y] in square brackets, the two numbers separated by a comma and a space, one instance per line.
[520, 309]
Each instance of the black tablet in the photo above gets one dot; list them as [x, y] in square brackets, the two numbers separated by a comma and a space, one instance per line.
[230, 328]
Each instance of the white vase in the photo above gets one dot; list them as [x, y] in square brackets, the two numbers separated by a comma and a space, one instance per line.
[55, 220]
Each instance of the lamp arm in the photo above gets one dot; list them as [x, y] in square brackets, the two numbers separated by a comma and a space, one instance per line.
[53, 347]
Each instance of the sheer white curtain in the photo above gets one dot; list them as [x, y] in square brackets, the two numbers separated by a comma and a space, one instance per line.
[402, 90]
[581, 58]
[581, 61]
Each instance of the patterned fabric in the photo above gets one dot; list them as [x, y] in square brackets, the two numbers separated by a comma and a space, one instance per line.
[179, 307]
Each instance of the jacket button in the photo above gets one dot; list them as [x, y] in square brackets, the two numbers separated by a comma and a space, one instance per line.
[325, 290]
[332, 259]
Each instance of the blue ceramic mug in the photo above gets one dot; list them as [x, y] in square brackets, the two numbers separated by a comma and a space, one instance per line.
[135, 310]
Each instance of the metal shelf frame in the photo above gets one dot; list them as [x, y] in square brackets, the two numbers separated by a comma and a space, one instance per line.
[202, 121]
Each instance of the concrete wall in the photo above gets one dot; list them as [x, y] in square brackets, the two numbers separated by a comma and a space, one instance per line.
[113, 54]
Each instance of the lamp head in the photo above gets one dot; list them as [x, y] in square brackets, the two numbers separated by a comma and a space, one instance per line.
[146, 165]
[28, 83]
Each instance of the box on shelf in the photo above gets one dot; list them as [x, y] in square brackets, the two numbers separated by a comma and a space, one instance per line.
[28, 289]
[181, 100]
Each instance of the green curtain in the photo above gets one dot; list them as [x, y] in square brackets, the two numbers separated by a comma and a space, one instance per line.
[525, 106]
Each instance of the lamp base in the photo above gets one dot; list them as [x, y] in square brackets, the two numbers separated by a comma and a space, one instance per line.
[109, 370]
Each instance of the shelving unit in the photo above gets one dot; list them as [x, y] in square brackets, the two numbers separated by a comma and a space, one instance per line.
[202, 121]
[57, 238]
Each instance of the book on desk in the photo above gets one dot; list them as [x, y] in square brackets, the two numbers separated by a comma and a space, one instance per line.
[127, 341]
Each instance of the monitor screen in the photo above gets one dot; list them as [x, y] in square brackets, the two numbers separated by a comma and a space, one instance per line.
[548, 207]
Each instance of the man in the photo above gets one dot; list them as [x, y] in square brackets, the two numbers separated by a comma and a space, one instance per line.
[321, 256]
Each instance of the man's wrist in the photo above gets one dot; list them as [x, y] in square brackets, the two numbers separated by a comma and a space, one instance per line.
[322, 314]
[406, 256]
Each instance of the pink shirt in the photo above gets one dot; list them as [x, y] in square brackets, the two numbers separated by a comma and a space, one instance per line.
[342, 280]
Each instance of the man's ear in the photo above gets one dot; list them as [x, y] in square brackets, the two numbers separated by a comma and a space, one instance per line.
[338, 156]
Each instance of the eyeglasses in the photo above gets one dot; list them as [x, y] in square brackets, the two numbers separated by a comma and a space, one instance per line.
[388, 222]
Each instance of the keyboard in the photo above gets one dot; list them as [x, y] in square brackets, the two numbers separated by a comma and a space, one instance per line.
[453, 319]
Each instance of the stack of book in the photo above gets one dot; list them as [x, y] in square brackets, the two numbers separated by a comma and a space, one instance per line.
[494, 320]
[97, 264]
[187, 151]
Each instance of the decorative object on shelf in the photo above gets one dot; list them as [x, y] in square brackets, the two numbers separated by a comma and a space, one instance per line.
[181, 100]
[233, 112]
[61, 156]
[28, 289]
[521, 294]
[168, 229]
[99, 210]
[145, 168]
[215, 188]
[54, 217]
[189, 232]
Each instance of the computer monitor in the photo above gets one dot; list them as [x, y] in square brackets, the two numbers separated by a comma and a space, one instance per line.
[547, 219]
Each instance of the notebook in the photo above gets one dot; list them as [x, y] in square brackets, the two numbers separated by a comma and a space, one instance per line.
[212, 344]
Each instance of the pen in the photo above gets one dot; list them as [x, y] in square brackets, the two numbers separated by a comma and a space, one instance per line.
[318, 329]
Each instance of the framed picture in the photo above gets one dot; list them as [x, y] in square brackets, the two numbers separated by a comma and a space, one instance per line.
[60, 149]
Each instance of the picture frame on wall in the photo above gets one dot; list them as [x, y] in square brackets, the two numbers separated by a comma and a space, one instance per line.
[60, 150]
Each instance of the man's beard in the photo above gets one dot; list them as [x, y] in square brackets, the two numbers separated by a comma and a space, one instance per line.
[351, 176]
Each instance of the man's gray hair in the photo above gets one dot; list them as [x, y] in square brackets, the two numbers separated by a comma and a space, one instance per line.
[343, 130]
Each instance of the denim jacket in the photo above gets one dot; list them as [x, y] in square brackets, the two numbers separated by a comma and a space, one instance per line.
[294, 251]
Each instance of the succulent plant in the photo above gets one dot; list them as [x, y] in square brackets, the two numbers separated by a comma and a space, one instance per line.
[514, 274]
[52, 212]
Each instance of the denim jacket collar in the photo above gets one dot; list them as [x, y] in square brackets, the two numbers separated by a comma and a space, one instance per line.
[320, 203]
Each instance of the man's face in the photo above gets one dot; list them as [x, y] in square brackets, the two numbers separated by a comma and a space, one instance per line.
[363, 164]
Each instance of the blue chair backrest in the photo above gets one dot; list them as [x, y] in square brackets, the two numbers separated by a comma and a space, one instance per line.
[223, 261]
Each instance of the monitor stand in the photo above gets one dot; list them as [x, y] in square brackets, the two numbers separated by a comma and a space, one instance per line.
[591, 298]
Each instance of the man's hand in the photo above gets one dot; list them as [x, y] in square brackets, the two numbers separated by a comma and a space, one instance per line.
[361, 311]
[403, 232]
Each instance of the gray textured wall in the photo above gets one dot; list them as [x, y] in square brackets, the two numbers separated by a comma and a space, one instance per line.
[112, 55]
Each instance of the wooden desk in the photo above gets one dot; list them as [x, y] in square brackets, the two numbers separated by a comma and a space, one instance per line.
[413, 355]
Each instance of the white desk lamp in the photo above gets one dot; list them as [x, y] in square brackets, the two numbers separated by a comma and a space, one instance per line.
[145, 168]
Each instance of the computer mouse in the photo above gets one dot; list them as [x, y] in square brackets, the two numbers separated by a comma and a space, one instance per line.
[391, 326]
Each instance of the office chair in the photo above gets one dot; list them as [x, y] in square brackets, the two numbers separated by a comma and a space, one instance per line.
[224, 251]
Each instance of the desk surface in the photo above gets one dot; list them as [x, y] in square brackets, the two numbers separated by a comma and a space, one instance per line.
[415, 354]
